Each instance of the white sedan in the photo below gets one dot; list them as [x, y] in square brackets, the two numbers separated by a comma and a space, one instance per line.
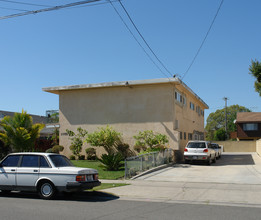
[46, 173]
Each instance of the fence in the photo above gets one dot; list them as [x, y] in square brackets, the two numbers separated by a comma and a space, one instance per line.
[138, 164]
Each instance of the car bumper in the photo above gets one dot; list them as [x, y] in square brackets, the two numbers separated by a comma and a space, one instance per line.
[191, 157]
[80, 186]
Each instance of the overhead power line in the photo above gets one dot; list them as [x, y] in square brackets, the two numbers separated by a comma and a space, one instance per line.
[25, 3]
[135, 26]
[48, 9]
[135, 38]
[126, 25]
[210, 27]
[12, 9]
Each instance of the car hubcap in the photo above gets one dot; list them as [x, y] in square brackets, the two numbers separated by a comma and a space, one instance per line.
[46, 189]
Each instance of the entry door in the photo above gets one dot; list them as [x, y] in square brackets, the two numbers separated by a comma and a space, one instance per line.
[8, 171]
[28, 172]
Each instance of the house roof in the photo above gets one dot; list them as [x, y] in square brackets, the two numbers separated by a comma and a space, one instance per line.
[177, 81]
[36, 118]
[243, 117]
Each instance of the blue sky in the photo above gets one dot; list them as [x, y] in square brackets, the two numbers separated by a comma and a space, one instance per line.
[91, 45]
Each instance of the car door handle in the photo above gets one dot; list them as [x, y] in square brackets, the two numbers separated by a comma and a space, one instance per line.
[35, 171]
[12, 170]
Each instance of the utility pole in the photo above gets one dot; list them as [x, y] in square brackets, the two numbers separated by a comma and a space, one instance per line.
[225, 99]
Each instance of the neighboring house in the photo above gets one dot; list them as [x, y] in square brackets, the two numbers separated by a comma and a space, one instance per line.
[46, 132]
[248, 125]
[43, 141]
[166, 106]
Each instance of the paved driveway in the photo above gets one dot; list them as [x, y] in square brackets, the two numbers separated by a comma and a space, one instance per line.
[239, 168]
[234, 180]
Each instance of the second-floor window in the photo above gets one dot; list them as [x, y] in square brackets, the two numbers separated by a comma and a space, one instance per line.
[180, 98]
[192, 106]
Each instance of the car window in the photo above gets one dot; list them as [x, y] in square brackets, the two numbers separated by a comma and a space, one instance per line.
[43, 162]
[30, 161]
[11, 161]
[196, 145]
[60, 161]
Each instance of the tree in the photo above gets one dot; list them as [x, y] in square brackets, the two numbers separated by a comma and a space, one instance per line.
[77, 140]
[216, 120]
[149, 139]
[19, 131]
[220, 135]
[255, 70]
[107, 138]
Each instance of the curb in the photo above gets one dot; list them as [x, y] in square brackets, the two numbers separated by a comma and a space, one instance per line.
[152, 170]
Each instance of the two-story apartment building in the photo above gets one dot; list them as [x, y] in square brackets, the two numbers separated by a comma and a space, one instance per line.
[166, 106]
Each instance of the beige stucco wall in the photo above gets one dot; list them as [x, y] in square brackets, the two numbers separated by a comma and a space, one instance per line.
[238, 146]
[189, 120]
[127, 109]
[258, 147]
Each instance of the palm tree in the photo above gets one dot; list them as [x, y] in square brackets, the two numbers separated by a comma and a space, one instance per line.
[19, 131]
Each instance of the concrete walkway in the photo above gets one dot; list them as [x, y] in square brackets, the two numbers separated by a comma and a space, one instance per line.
[234, 180]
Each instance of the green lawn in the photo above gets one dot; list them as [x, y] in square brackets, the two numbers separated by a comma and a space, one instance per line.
[110, 175]
[107, 186]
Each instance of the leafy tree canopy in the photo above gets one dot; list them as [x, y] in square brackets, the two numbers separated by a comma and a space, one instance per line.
[216, 120]
[106, 137]
[255, 70]
[150, 139]
[19, 131]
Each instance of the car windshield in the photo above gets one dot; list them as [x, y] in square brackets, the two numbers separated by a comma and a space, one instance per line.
[60, 161]
[196, 145]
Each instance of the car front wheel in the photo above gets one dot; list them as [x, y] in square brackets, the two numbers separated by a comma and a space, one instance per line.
[46, 190]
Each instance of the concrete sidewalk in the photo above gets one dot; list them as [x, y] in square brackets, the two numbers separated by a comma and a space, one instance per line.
[199, 193]
[234, 180]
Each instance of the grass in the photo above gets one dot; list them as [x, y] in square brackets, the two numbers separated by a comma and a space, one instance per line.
[103, 174]
[107, 186]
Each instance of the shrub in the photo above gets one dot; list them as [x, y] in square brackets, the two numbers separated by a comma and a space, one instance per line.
[81, 157]
[104, 137]
[57, 149]
[112, 162]
[220, 135]
[50, 150]
[76, 140]
[124, 150]
[72, 157]
[91, 153]
[139, 148]
[150, 139]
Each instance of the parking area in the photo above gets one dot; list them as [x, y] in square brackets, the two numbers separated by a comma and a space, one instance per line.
[238, 168]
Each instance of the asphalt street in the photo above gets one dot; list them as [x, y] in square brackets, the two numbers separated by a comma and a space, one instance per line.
[229, 189]
[105, 207]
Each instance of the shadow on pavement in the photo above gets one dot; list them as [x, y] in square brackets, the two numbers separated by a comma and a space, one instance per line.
[236, 159]
[225, 160]
[86, 196]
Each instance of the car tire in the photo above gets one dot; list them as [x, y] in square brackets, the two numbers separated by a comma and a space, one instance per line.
[46, 190]
[214, 160]
[209, 161]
